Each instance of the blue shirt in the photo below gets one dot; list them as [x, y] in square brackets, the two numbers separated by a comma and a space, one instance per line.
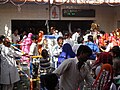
[95, 49]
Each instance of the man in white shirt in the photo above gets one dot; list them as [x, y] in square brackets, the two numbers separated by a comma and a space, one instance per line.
[56, 50]
[74, 71]
[9, 72]
[33, 47]
[15, 37]
[33, 52]
[76, 35]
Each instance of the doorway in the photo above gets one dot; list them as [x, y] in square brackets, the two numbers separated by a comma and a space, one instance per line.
[35, 26]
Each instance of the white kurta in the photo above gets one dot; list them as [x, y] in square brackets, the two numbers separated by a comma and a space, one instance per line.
[15, 38]
[9, 72]
[70, 76]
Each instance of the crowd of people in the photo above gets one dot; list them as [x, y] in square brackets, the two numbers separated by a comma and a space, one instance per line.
[75, 59]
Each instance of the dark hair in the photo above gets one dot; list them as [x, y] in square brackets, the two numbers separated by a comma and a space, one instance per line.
[78, 30]
[90, 38]
[87, 32]
[49, 81]
[102, 32]
[116, 50]
[44, 53]
[84, 49]
[34, 37]
[59, 38]
[80, 40]
[2, 37]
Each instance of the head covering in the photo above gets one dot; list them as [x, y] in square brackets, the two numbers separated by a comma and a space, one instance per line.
[104, 57]
[68, 50]
[30, 35]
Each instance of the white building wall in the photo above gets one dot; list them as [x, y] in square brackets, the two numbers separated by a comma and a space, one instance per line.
[106, 16]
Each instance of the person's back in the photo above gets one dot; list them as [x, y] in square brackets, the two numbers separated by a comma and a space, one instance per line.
[103, 58]
[44, 61]
[93, 46]
[48, 81]
[66, 53]
[104, 78]
[80, 41]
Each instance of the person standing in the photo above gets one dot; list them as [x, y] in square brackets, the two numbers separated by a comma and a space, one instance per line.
[33, 52]
[74, 71]
[40, 41]
[80, 41]
[76, 35]
[1, 46]
[15, 37]
[9, 72]
[93, 46]
[56, 50]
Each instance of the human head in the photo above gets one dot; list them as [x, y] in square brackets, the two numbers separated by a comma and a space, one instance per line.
[40, 33]
[68, 50]
[30, 35]
[24, 32]
[45, 41]
[34, 38]
[1, 38]
[16, 32]
[44, 53]
[90, 38]
[115, 51]
[49, 81]
[60, 41]
[104, 57]
[80, 40]
[6, 42]
[66, 47]
[52, 30]
[83, 53]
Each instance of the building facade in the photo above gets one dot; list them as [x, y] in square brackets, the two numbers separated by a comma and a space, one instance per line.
[108, 17]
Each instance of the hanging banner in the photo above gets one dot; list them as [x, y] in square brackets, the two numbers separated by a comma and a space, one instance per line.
[55, 12]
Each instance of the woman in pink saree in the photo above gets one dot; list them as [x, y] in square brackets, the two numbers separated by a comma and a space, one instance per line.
[26, 47]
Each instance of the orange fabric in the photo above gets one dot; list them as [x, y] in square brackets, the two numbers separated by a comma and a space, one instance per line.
[104, 57]
[40, 36]
[108, 68]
